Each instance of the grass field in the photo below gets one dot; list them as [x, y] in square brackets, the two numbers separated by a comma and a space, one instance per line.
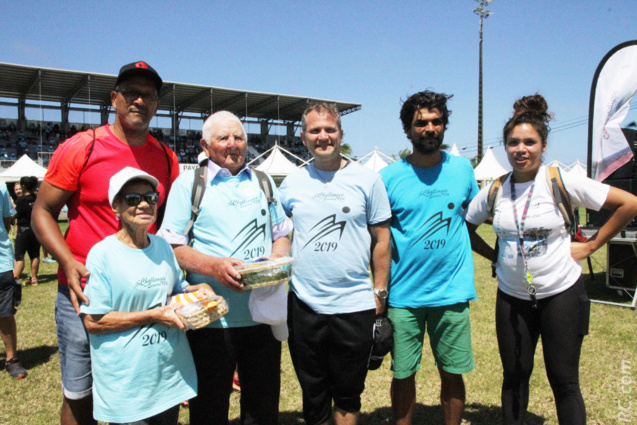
[608, 366]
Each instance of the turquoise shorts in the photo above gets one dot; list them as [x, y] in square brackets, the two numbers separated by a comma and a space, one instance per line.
[449, 331]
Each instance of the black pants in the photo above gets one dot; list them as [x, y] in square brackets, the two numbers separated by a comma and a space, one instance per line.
[330, 354]
[562, 322]
[258, 356]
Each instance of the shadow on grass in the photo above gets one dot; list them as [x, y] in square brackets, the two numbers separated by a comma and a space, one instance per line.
[47, 278]
[597, 289]
[474, 414]
[35, 356]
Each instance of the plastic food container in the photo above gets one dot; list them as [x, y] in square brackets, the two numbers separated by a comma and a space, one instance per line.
[266, 273]
[198, 310]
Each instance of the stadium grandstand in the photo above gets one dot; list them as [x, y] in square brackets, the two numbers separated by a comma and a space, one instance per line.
[74, 93]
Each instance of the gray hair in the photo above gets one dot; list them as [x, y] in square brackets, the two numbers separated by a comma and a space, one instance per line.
[207, 131]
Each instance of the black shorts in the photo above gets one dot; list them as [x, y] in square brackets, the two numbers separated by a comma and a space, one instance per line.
[8, 293]
[329, 353]
[25, 241]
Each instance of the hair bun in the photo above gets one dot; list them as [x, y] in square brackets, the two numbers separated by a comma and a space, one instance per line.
[534, 105]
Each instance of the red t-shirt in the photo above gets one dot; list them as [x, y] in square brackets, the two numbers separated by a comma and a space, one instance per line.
[91, 217]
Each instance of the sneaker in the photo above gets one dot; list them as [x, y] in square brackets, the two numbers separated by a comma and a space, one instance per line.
[49, 260]
[15, 369]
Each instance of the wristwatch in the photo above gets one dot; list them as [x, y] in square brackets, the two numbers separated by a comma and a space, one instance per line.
[381, 293]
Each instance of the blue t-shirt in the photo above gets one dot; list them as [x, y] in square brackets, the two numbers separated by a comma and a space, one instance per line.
[6, 249]
[233, 222]
[331, 242]
[432, 264]
[144, 371]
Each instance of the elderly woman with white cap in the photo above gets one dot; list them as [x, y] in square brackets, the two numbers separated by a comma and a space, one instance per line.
[141, 362]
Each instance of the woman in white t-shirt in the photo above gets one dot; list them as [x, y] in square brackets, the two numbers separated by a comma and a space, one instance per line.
[540, 292]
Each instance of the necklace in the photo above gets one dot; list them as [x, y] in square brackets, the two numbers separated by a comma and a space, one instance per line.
[520, 226]
[329, 179]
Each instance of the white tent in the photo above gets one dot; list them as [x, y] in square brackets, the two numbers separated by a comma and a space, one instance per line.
[454, 150]
[489, 168]
[578, 168]
[556, 163]
[375, 160]
[276, 164]
[24, 166]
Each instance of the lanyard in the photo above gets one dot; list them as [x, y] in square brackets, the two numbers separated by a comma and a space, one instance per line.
[520, 228]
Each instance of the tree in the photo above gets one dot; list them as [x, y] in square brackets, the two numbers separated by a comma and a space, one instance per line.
[346, 149]
[404, 152]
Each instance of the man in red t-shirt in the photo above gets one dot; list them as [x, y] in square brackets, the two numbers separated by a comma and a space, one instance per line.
[78, 176]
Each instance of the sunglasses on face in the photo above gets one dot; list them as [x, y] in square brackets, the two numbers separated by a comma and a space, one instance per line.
[132, 95]
[133, 199]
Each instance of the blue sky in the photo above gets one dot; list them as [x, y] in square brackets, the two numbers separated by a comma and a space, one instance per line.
[370, 52]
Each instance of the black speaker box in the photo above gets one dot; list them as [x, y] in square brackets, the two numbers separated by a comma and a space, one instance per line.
[598, 218]
[622, 266]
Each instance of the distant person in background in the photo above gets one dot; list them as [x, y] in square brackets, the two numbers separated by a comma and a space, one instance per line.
[10, 292]
[540, 290]
[17, 192]
[46, 257]
[25, 240]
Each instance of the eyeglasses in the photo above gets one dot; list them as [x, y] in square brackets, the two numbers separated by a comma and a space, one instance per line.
[134, 199]
[132, 95]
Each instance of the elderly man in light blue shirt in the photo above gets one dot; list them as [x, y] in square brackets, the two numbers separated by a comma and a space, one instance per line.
[236, 225]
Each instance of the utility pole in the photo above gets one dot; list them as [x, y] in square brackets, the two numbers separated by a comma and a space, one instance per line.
[483, 13]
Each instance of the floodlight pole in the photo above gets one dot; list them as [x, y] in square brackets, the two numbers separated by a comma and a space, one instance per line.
[483, 13]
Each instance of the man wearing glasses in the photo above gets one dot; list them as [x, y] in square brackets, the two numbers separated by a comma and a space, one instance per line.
[78, 176]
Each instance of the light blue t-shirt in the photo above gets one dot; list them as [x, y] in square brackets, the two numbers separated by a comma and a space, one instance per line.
[233, 222]
[6, 249]
[331, 242]
[432, 264]
[144, 371]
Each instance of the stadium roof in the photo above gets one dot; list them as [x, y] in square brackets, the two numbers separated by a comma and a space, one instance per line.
[89, 88]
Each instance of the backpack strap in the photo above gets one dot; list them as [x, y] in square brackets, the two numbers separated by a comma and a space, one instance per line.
[198, 190]
[494, 193]
[90, 151]
[265, 184]
[561, 197]
[162, 210]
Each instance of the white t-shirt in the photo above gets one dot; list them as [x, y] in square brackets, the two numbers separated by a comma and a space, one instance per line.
[547, 244]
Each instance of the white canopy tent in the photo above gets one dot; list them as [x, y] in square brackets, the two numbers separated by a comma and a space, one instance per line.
[454, 150]
[24, 166]
[556, 163]
[375, 160]
[489, 168]
[577, 168]
[276, 164]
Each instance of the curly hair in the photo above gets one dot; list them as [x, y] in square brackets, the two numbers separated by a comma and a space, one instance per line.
[531, 110]
[424, 99]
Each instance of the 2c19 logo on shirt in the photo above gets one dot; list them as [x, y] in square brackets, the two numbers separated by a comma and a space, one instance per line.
[431, 228]
[322, 230]
[247, 236]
